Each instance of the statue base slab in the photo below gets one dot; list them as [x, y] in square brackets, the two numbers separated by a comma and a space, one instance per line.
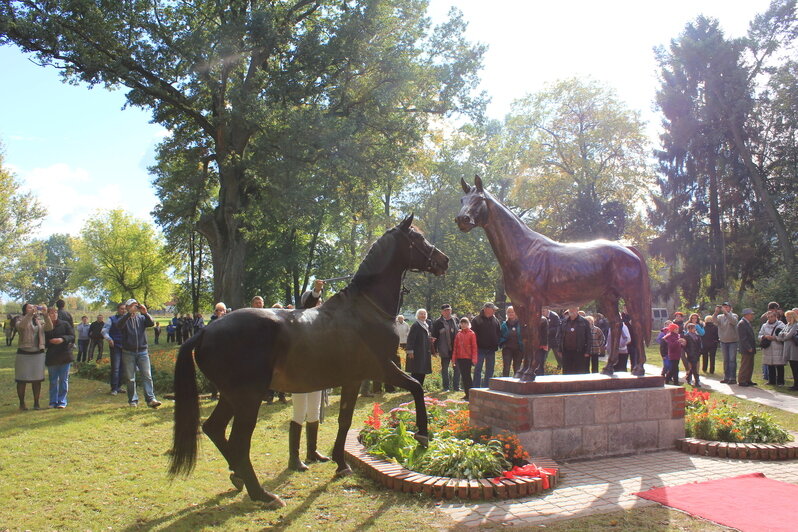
[545, 384]
[573, 417]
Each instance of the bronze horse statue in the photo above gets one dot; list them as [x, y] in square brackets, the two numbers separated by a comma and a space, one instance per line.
[540, 272]
[346, 340]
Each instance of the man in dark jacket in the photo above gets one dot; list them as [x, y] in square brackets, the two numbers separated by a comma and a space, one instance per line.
[114, 336]
[58, 358]
[747, 342]
[134, 352]
[551, 342]
[96, 337]
[488, 330]
[575, 343]
[443, 332]
[63, 315]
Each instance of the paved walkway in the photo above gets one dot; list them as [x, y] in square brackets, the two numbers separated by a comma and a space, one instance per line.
[609, 484]
[783, 401]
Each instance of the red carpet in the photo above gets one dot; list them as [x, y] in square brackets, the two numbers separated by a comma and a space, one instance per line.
[748, 502]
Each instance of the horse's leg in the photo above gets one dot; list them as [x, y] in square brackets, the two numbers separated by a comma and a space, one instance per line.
[214, 427]
[348, 400]
[397, 377]
[245, 415]
[535, 341]
[637, 332]
[610, 306]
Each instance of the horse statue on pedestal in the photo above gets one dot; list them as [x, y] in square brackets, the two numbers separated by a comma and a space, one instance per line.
[348, 339]
[540, 272]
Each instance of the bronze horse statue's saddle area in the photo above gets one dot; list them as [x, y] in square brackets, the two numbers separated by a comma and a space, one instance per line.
[539, 272]
[346, 340]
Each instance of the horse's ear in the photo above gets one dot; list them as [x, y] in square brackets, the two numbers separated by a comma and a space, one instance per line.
[406, 223]
[465, 186]
[478, 183]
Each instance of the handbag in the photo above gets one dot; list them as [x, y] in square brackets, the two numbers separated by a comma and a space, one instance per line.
[764, 343]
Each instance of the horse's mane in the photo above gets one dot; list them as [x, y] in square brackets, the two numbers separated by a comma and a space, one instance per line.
[378, 257]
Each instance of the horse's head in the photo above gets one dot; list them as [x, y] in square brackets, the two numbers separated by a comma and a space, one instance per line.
[421, 254]
[474, 210]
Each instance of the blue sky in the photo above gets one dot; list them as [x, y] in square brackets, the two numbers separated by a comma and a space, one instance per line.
[78, 151]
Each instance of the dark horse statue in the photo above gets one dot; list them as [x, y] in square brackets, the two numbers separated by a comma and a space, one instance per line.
[346, 340]
[540, 272]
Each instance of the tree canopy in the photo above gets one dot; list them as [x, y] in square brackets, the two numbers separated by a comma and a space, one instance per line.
[120, 257]
[727, 159]
[255, 88]
[20, 218]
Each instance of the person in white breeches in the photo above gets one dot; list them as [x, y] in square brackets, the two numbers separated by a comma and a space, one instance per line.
[307, 406]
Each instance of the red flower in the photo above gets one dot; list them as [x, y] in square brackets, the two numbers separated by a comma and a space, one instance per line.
[373, 420]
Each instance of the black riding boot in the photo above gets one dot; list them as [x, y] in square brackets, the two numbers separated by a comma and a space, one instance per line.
[312, 438]
[294, 434]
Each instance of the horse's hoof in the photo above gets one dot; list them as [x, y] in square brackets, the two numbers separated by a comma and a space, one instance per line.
[270, 500]
[421, 439]
[343, 472]
[639, 372]
[608, 371]
[237, 481]
[528, 377]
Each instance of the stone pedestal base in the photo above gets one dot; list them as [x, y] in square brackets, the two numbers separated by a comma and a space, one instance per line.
[596, 417]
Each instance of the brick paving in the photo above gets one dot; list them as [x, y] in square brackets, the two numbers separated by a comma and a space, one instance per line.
[608, 485]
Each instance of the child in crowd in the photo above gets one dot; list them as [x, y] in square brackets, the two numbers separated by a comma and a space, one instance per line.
[464, 353]
[675, 344]
[692, 349]
[663, 347]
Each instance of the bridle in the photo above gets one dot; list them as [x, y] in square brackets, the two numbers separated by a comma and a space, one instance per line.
[427, 256]
[429, 264]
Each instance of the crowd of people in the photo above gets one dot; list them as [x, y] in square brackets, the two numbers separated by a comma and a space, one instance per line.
[696, 341]
[467, 346]
[47, 338]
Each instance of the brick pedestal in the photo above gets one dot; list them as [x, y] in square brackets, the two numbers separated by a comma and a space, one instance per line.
[599, 416]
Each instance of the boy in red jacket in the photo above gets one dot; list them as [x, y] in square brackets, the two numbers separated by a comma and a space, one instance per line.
[464, 353]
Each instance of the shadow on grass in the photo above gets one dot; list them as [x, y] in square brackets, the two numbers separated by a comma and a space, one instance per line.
[215, 513]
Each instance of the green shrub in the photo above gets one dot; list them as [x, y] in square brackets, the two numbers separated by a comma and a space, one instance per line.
[761, 428]
[456, 458]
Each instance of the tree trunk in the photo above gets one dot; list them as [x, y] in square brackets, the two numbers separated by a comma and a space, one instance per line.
[758, 181]
[228, 251]
[718, 240]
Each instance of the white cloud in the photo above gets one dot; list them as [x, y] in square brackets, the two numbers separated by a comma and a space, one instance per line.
[71, 195]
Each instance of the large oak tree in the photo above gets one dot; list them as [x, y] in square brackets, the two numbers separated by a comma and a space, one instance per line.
[243, 82]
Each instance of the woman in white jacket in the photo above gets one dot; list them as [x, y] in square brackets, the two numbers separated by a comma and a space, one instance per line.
[789, 337]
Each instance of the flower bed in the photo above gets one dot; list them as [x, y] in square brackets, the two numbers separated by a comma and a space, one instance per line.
[717, 428]
[460, 460]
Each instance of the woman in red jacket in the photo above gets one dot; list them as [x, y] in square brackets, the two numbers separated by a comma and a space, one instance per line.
[464, 353]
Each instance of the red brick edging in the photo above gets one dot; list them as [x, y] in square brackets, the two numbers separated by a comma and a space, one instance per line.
[749, 451]
[397, 478]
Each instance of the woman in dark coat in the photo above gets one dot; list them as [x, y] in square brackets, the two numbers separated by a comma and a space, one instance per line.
[419, 353]
[709, 344]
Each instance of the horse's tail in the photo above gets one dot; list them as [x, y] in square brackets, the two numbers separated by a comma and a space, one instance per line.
[645, 297]
[183, 454]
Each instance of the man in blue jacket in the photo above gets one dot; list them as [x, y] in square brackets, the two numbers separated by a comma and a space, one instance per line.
[134, 352]
[114, 337]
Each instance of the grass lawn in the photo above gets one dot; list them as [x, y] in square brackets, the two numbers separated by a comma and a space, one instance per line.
[101, 465]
